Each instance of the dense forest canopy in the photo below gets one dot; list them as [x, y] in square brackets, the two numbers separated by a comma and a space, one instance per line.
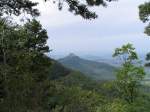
[23, 66]
[144, 15]
[32, 82]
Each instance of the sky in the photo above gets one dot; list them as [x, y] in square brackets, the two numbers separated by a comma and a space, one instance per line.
[116, 25]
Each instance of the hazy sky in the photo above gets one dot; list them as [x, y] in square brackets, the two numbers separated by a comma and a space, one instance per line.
[116, 25]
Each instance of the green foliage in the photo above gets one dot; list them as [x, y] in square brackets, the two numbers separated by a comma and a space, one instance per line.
[126, 53]
[73, 99]
[37, 37]
[57, 70]
[26, 75]
[141, 104]
[78, 79]
[17, 7]
[24, 67]
[81, 8]
[116, 105]
[32, 82]
[147, 59]
[119, 105]
[144, 13]
[130, 74]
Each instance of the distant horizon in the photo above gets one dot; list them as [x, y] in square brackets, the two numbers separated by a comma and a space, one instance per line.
[88, 56]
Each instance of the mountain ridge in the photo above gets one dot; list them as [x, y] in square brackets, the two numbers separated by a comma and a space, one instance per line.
[93, 69]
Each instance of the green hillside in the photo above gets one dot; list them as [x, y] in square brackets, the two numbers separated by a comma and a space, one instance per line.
[57, 70]
[96, 70]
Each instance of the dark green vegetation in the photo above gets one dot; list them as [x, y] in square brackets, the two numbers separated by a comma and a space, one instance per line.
[18, 7]
[144, 14]
[76, 7]
[23, 66]
[96, 70]
[82, 7]
[57, 70]
[32, 82]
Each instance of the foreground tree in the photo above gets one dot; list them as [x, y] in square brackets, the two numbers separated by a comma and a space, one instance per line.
[24, 67]
[130, 75]
[81, 8]
[17, 7]
[144, 13]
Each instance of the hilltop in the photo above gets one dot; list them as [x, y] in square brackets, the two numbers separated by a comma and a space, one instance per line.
[96, 70]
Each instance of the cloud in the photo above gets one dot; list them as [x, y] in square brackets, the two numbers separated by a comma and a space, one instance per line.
[99, 46]
[52, 17]
[121, 11]
[117, 24]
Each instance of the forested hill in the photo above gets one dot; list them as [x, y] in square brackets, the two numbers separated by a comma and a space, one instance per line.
[58, 70]
[96, 70]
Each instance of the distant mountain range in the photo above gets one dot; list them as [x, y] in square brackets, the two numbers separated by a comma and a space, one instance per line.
[96, 70]
[108, 59]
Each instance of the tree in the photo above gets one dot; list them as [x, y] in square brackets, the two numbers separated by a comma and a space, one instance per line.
[81, 8]
[24, 68]
[117, 105]
[4, 33]
[130, 74]
[73, 99]
[144, 13]
[16, 7]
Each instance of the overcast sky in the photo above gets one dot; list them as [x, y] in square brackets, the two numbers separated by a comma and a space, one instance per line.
[116, 25]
